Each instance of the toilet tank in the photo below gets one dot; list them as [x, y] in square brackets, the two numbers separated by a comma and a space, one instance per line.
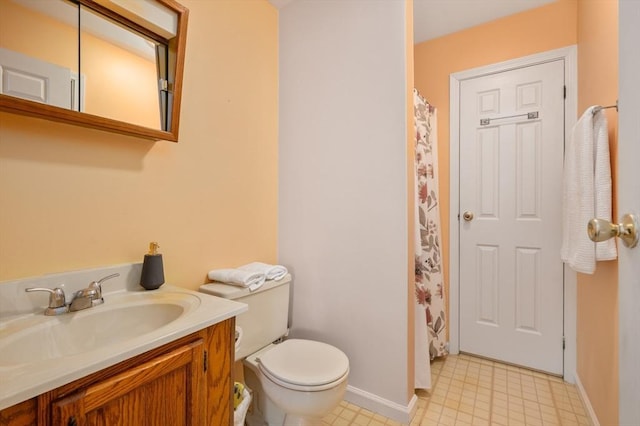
[266, 319]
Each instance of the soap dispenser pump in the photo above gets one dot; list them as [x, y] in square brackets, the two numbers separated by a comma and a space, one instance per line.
[152, 270]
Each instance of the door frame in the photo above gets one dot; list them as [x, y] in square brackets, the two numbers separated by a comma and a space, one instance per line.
[627, 195]
[570, 56]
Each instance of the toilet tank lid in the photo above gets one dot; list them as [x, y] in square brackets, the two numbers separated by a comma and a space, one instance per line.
[228, 291]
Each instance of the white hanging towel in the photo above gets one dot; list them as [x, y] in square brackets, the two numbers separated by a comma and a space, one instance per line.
[272, 272]
[237, 277]
[586, 192]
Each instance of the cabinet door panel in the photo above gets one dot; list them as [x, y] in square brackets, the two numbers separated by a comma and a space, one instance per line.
[220, 374]
[23, 414]
[165, 390]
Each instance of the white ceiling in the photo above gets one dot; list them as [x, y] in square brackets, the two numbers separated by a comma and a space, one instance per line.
[435, 18]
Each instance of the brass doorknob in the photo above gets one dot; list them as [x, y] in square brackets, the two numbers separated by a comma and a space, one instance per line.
[602, 230]
[468, 216]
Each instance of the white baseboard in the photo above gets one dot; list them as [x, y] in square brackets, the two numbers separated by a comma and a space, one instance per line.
[585, 400]
[399, 413]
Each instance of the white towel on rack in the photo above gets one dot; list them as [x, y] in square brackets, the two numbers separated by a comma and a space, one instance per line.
[272, 272]
[605, 250]
[237, 277]
[586, 192]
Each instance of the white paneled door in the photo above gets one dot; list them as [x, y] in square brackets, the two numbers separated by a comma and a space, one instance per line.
[511, 158]
[30, 78]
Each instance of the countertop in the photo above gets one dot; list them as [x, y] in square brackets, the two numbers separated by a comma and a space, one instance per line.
[19, 382]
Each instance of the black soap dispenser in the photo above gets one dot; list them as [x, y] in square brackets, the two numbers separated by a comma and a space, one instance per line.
[152, 270]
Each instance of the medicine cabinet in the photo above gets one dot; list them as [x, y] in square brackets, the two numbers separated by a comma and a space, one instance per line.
[112, 65]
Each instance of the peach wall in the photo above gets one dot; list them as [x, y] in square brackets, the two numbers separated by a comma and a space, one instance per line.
[597, 319]
[538, 30]
[592, 24]
[77, 198]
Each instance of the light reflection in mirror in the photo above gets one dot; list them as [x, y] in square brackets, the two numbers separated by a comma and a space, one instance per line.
[118, 64]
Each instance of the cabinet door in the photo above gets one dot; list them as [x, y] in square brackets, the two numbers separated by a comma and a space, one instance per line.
[23, 414]
[168, 390]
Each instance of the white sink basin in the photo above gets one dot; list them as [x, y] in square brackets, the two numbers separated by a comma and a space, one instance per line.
[39, 353]
[121, 318]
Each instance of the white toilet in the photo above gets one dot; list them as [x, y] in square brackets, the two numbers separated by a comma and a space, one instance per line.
[295, 382]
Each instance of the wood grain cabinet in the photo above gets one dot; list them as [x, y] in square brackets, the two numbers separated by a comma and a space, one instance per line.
[186, 382]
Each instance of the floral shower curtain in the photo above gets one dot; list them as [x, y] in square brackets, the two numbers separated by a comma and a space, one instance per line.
[430, 330]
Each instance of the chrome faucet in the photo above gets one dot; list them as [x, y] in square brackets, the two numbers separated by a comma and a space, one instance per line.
[57, 301]
[90, 296]
[82, 299]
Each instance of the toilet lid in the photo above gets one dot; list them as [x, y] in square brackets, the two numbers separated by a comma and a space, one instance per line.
[305, 362]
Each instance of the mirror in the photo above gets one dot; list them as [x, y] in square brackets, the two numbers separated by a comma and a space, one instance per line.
[114, 65]
[117, 63]
[39, 65]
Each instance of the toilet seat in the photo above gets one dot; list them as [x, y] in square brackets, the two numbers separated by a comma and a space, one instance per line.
[289, 363]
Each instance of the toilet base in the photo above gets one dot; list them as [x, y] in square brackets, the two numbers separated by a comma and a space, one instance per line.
[293, 420]
[288, 420]
[275, 405]
[262, 411]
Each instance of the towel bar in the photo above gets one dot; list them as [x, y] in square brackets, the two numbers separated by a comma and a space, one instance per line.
[600, 108]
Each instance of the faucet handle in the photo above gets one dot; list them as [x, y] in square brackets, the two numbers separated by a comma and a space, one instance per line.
[57, 301]
[108, 277]
[97, 287]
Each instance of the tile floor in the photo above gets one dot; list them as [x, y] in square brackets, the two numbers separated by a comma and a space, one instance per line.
[474, 391]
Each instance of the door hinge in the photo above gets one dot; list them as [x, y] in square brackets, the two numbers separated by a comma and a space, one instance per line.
[564, 345]
[164, 85]
[206, 361]
[564, 92]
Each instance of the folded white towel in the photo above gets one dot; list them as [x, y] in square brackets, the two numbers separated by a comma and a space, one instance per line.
[586, 192]
[242, 278]
[272, 272]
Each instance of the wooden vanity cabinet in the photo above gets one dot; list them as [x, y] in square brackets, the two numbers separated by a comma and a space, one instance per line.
[23, 414]
[186, 382]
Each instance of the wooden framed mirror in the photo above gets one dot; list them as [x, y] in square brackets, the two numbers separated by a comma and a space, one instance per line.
[112, 65]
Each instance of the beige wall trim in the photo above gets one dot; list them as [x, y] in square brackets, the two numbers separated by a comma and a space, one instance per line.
[585, 401]
[390, 409]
